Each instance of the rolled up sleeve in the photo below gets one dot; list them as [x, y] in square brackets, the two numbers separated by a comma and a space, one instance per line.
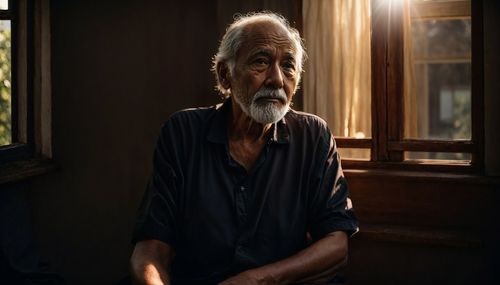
[330, 206]
[157, 214]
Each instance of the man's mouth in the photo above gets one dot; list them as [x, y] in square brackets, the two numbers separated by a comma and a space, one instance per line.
[271, 100]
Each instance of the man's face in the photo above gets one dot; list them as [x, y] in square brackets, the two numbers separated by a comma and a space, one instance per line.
[265, 76]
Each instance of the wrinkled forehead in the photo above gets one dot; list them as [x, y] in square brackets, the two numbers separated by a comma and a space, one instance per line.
[267, 35]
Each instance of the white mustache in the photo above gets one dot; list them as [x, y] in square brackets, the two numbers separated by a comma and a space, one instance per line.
[271, 94]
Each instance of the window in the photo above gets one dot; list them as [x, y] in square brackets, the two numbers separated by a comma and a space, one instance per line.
[24, 80]
[403, 81]
[441, 69]
[5, 74]
[15, 142]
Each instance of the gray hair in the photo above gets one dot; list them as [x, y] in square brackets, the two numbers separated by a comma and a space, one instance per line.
[233, 39]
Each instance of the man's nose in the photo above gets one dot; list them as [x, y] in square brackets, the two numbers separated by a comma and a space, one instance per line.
[275, 76]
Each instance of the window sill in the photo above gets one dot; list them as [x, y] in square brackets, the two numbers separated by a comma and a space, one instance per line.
[423, 199]
[25, 169]
[422, 236]
[422, 176]
[429, 166]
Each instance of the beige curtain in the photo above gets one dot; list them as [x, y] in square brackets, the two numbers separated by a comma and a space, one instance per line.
[410, 93]
[337, 78]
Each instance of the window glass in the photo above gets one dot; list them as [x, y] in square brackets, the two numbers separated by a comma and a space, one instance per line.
[354, 153]
[5, 83]
[438, 105]
[414, 155]
[4, 4]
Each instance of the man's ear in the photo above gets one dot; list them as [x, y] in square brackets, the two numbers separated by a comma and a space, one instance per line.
[224, 75]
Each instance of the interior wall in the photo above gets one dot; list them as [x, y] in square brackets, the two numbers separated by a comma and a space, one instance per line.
[119, 69]
[423, 229]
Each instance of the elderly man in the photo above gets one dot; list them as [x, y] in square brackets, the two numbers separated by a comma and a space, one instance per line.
[249, 191]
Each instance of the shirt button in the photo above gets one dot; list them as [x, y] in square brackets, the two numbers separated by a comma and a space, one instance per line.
[242, 188]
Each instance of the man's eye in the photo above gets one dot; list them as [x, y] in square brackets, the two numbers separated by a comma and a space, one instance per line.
[289, 66]
[260, 61]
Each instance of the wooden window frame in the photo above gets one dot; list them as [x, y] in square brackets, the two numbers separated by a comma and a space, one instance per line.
[22, 90]
[388, 144]
[31, 150]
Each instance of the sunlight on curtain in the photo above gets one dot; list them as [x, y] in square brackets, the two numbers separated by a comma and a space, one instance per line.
[410, 94]
[337, 78]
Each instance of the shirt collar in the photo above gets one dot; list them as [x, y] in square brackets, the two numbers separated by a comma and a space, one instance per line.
[217, 132]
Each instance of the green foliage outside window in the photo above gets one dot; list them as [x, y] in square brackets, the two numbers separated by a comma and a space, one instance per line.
[5, 87]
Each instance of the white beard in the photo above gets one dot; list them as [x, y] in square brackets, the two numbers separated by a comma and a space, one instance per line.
[264, 112]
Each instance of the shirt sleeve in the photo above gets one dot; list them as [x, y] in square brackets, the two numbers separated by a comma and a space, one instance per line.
[330, 206]
[157, 214]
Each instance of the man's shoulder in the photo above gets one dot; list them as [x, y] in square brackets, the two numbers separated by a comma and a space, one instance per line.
[189, 123]
[305, 120]
[191, 115]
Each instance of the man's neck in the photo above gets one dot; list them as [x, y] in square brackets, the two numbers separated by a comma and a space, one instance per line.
[246, 137]
[243, 127]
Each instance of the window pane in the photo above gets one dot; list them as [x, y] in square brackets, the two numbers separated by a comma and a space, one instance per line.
[438, 101]
[5, 83]
[413, 155]
[441, 39]
[4, 4]
[354, 153]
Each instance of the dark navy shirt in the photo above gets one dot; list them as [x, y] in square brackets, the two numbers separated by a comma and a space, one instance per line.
[221, 219]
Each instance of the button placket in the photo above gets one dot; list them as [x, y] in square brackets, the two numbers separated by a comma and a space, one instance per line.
[241, 204]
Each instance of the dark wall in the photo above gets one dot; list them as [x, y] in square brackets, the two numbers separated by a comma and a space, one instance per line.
[119, 69]
[424, 229]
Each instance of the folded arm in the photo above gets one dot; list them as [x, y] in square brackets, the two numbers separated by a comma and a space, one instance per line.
[317, 263]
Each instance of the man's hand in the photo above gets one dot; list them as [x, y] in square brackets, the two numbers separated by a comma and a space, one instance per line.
[317, 263]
